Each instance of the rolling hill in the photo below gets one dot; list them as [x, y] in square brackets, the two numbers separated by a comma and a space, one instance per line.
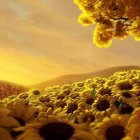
[8, 88]
[79, 77]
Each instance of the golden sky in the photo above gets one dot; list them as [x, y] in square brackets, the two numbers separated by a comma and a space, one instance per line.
[41, 40]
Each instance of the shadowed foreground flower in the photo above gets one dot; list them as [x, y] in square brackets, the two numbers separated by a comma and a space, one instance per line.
[21, 112]
[134, 125]
[113, 128]
[53, 128]
[7, 123]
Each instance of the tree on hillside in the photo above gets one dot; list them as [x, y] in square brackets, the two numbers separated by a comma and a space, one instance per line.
[113, 19]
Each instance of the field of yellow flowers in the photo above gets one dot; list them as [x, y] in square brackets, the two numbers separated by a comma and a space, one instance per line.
[94, 109]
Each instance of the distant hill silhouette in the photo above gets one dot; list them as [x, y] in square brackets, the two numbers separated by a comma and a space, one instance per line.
[79, 77]
[8, 88]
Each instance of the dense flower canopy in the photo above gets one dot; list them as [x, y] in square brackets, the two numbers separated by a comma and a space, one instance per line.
[94, 109]
[113, 19]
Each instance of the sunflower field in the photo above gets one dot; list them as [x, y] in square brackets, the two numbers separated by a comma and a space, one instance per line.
[94, 109]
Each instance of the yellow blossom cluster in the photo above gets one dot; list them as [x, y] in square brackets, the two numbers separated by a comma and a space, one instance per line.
[113, 19]
[94, 109]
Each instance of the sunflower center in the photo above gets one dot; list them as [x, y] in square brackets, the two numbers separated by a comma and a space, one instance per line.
[21, 121]
[126, 95]
[90, 101]
[56, 131]
[72, 108]
[115, 132]
[103, 105]
[36, 92]
[67, 92]
[126, 86]
[105, 91]
[88, 118]
[125, 109]
[60, 97]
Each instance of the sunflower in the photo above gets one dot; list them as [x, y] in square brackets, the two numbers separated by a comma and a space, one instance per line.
[87, 92]
[89, 83]
[60, 103]
[134, 125]
[22, 112]
[22, 95]
[113, 128]
[66, 87]
[44, 98]
[74, 95]
[87, 98]
[33, 95]
[110, 82]
[72, 108]
[7, 123]
[51, 91]
[6, 120]
[99, 80]
[48, 101]
[86, 116]
[104, 90]
[120, 74]
[103, 106]
[124, 85]
[45, 111]
[78, 84]
[61, 95]
[127, 97]
[53, 128]
[66, 90]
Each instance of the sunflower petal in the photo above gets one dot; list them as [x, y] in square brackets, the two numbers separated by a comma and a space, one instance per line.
[28, 113]
[135, 131]
[4, 135]
[134, 119]
[8, 122]
[19, 108]
[83, 135]
[4, 112]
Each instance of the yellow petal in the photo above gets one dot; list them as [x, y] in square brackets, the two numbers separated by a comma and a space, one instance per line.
[127, 138]
[124, 119]
[28, 113]
[19, 108]
[4, 111]
[4, 135]
[49, 111]
[82, 126]
[135, 131]
[57, 111]
[134, 120]
[136, 111]
[8, 122]
[83, 135]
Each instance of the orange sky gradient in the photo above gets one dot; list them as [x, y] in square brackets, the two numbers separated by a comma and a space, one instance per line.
[41, 40]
